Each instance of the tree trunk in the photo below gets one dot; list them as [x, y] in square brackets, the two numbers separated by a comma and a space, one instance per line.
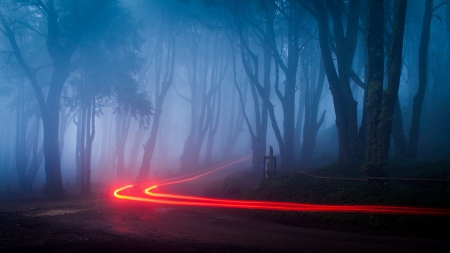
[37, 155]
[213, 130]
[62, 128]
[390, 95]
[289, 68]
[90, 134]
[377, 149]
[423, 73]
[137, 143]
[82, 144]
[21, 132]
[398, 134]
[201, 97]
[122, 126]
[375, 39]
[236, 124]
[161, 90]
[189, 143]
[299, 119]
[344, 104]
[6, 147]
[289, 104]
[312, 126]
[79, 145]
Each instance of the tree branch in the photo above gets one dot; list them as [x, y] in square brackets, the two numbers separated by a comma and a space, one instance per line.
[439, 5]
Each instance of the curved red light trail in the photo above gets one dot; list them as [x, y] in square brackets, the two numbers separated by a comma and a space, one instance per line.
[150, 196]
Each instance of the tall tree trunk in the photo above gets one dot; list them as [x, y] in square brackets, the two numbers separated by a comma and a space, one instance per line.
[398, 134]
[214, 103]
[123, 121]
[299, 118]
[135, 150]
[185, 158]
[423, 73]
[107, 144]
[236, 123]
[213, 129]
[82, 144]
[21, 132]
[64, 122]
[339, 80]
[390, 95]
[292, 15]
[201, 97]
[378, 137]
[312, 126]
[251, 67]
[161, 89]
[89, 138]
[6, 147]
[37, 155]
[375, 39]
[78, 145]
[264, 95]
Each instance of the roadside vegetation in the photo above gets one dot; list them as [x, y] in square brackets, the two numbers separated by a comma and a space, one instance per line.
[307, 189]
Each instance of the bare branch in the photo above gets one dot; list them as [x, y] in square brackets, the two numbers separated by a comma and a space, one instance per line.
[439, 5]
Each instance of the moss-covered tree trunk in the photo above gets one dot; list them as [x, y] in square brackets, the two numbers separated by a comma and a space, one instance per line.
[390, 95]
[382, 104]
[375, 37]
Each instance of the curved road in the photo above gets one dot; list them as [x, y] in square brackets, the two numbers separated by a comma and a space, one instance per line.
[235, 230]
[105, 224]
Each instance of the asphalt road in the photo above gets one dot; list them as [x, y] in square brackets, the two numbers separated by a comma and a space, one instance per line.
[107, 224]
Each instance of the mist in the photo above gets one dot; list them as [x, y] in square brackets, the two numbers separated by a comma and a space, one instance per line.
[132, 91]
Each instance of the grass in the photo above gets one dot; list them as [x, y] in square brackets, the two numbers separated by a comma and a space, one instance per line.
[305, 189]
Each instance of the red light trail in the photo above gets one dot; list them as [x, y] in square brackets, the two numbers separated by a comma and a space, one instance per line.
[150, 196]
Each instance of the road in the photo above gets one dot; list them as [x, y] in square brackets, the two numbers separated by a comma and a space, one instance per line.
[103, 223]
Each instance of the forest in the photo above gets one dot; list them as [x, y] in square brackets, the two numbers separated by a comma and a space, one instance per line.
[123, 90]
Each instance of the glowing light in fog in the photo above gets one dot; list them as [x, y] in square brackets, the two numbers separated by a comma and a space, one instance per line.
[149, 195]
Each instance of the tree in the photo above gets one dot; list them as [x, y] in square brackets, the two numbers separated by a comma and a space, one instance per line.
[260, 90]
[66, 23]
[200, 72]
[381, 103]
[104, 69]
[398, 135]
[423, 74]
[235, 118]
[291, 10]
[286, 59]
[339, 79]
[130, 104]
[165, 56]
[28, 149]
[312, 125]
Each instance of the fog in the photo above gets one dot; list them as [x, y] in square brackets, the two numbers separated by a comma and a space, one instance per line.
[132, 91]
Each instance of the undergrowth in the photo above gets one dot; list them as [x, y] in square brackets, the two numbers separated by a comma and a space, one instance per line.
[306, 189]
